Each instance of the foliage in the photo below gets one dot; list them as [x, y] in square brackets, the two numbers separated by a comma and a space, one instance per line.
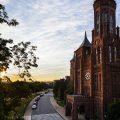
[24, 58]
[59, 89]
[5, 54]
[114, 111]
[22, 53]
[2, 110]
[4, 17]
[16, 95]
[11, 94]
[70, 87]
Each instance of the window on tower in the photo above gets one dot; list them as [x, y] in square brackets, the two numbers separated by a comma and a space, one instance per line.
[97, 22]
[111, 24]
[115, 54]
[104, 17]
[110, 54]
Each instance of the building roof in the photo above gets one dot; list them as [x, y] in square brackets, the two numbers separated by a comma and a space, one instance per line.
[73, 58]
[85, 42]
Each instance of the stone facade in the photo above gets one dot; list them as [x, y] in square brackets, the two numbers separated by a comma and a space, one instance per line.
[95, 67]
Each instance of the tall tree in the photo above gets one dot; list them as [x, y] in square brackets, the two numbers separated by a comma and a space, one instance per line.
[5, 53]
[24, 59]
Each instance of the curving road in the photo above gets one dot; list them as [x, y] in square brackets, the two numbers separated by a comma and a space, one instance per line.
[45, 110]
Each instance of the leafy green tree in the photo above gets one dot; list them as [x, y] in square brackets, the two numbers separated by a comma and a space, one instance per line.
[56, 88]
[5, 55]
[70, 87]
[2, 110]
[114, 111]
[60, 88]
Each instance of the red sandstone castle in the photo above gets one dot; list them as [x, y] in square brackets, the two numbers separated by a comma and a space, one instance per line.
[95, 67]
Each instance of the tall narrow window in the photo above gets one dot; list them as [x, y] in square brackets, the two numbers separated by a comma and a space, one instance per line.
[104, 17]
[111, 24]
[115, 54]
[96, 56]
[110, 54]
[100, 55]
[97, 22]
[99, 82]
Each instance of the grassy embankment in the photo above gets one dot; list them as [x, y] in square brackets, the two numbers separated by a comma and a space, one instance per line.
[60, 102]
[20, 110]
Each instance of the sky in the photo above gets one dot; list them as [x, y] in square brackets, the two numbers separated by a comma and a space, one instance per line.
[56, 27]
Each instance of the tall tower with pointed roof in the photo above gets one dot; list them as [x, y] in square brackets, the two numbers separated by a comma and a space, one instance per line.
[95, 68]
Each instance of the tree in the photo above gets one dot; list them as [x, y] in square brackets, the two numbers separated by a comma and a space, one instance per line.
[60, 87]
[22, 55]
[4, 17]
[5, 53]
[24, 59]
[2, 110]
[70, 87]
[114, 111]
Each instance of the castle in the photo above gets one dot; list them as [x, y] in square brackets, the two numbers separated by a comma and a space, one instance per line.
[95, 67]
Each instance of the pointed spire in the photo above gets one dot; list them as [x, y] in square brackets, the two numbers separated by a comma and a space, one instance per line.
[85, 42]
[85, 35]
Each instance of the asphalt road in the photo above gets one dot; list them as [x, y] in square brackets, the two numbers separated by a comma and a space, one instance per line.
[45, 110]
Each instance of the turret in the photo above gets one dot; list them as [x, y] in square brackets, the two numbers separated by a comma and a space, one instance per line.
[104, 17]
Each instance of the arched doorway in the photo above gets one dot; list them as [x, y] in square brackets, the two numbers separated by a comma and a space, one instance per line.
[81, 112]
[68, 109]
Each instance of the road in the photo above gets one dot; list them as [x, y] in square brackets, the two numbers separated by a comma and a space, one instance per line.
[45, 110]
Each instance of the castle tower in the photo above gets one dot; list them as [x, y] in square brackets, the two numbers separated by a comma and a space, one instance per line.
[104, 17]
[105, 53]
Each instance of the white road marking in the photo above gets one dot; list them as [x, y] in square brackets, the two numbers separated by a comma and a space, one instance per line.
[54, 116]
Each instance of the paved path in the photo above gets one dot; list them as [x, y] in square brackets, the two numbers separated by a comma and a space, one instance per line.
[59, 109]
[28, 111]
[45, 110]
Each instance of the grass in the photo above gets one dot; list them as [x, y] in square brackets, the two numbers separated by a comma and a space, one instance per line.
[20, 110]
[60, 102]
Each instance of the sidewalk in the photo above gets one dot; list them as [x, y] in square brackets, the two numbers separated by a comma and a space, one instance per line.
[28, 111]
[59, 109]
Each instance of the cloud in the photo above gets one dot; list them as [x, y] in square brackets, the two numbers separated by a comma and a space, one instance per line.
[4, 2]
[57, 28]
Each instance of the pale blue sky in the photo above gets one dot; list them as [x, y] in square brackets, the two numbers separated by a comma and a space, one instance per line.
[56, 27]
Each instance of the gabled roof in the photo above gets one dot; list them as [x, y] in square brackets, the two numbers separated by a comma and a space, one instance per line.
[85, 42]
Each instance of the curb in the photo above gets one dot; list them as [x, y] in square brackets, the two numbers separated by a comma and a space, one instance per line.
[57, 110]
[27, 114]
